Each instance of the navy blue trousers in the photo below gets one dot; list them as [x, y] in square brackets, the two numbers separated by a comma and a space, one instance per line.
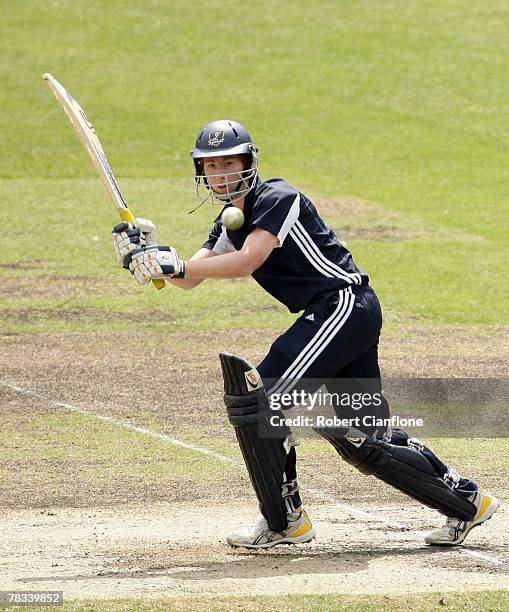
[336, 337]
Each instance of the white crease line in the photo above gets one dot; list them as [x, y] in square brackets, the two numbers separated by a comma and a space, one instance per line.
[356, 511]
[124, 424]
[482, 556]
[200, 449]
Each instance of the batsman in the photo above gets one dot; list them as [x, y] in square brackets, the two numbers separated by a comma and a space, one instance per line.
[277, 236]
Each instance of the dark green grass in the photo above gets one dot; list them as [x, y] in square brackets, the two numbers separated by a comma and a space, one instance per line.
[402, 103]
[399, 104]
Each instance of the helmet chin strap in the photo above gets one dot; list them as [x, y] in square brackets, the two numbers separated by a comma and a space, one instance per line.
[194, 209]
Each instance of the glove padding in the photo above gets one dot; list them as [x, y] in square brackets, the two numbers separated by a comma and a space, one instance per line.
[153, 262]
[128, 238]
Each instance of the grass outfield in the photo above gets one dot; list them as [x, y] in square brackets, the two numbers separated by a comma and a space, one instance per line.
[434, 264]
[401, 106]
[494, 601]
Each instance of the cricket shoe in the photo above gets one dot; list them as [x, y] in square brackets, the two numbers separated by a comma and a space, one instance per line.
[456, 530]
[259, 535]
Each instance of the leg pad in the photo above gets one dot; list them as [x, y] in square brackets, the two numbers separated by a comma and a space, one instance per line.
[265, 458]
[406, 469]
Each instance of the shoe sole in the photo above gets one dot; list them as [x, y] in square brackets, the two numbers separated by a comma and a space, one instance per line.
[490, 511]
[306, 537]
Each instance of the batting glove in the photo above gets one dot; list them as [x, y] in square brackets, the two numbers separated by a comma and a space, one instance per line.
[148, 229]
[153, 262]
[128, 238]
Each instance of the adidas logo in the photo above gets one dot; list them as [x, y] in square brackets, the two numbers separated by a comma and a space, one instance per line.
[310, 317]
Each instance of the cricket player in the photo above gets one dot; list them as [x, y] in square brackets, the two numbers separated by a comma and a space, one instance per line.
[288, 249]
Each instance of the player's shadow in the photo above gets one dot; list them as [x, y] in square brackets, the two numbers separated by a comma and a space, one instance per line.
[247, 564]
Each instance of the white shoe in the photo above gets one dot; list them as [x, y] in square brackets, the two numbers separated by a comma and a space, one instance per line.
[259, 535]
[455, 530]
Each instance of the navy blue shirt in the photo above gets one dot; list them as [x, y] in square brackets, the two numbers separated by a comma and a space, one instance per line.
[308, 260]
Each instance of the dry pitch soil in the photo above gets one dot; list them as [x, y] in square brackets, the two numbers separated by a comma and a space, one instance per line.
[114, 540]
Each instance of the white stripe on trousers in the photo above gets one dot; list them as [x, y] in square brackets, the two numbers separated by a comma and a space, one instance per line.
[318, 343]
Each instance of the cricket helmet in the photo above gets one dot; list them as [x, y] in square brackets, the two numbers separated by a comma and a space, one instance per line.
[223, 138]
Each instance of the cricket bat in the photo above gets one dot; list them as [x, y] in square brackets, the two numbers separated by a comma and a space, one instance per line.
[90, 141]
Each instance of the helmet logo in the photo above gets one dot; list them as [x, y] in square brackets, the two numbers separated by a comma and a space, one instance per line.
[216, 138]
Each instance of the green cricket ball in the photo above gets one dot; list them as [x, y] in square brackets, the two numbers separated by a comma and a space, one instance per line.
[232, 218]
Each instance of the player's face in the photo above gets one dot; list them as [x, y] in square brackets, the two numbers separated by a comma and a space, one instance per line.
[223, 173]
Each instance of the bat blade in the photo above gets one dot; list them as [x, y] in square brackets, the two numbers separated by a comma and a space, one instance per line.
[90, 141]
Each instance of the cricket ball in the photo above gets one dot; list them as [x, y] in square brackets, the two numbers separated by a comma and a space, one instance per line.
[232, 218]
